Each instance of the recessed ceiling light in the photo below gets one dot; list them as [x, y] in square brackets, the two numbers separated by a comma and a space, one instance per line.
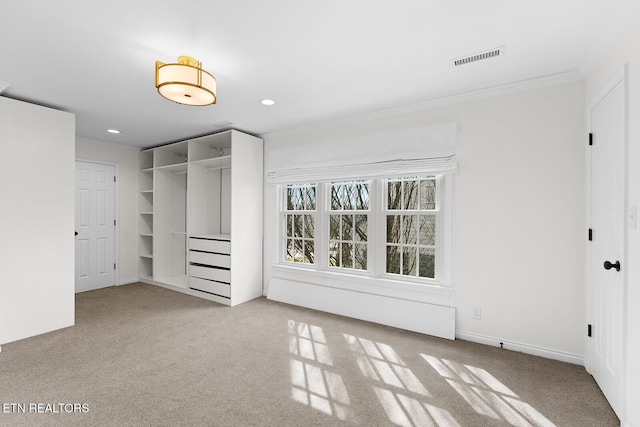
[268, 102]
[113, 131]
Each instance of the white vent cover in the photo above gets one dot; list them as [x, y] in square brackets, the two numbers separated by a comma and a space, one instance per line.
[479, 56]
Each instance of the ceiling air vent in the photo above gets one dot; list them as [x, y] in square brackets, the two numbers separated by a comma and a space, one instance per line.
[479, 56]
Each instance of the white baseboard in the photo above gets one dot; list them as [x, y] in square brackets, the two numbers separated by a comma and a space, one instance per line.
[128, 281]
[430, 319]
[524, 348]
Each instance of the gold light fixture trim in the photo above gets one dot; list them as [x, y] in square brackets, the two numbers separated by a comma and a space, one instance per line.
[185, 82]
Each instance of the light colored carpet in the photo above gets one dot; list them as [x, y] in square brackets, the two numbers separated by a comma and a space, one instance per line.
[140, 355]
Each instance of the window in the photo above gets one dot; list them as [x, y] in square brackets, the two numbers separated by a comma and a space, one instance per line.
[299, 223]
[390, 230]
[348, 219]
[411, 227]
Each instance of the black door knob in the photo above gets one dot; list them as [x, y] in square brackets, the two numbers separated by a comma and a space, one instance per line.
[608, 265]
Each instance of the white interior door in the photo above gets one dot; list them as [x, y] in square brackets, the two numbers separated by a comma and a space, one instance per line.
[607, 249]
[95, 226]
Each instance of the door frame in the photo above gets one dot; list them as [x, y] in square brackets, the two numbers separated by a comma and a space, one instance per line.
[620, 77]
[116, 209]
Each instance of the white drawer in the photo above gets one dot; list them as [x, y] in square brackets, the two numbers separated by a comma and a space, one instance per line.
[218, 246]
[206, 258]
[222, 289]
[210, 273]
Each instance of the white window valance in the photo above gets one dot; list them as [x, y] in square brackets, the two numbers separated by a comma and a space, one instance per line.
[405, 152]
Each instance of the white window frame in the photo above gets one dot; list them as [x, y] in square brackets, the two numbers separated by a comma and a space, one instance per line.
[282, 227]
[375, 276]
[439, 241]
[329, 212]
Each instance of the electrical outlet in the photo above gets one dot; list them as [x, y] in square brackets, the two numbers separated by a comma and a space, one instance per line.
[477, 313]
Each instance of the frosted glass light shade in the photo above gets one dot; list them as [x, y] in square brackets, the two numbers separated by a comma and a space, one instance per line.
[186, 82]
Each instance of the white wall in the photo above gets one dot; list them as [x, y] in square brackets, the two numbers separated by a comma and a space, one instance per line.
[626, 50]
[518, 219]
[127, 159]
[36, 220]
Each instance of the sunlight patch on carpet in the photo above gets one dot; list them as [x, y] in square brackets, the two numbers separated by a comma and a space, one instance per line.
[312, 382]
[399, 391]
[486, 394]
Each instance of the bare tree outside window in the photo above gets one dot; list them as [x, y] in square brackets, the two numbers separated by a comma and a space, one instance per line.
[348, 225]
[299, 221]
[411, 227]
[340, 215]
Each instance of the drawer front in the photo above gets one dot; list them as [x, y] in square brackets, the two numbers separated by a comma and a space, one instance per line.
[210, 273]
[219, 246]
[222, 289]
[206, 258]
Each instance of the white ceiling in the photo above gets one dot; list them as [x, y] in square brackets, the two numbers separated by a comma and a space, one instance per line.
[319, 60]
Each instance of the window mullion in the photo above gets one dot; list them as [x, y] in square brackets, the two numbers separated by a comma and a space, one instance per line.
[377, 242]
[322, 233]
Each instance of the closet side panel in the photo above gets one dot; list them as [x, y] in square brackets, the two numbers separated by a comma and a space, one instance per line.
[37, 219]
[246, 218]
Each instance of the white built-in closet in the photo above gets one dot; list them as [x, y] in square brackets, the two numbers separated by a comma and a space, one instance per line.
[200, 205]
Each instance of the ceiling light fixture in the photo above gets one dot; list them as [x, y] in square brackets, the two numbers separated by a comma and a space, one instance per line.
[268, 102]
[186, 82]
[113, 131]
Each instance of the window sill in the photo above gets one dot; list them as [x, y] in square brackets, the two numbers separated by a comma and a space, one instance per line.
[373, 285]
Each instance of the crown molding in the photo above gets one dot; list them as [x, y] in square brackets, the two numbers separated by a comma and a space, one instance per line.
[487, 92]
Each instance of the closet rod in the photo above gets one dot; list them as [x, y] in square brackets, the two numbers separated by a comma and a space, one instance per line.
[218, 168]
[180, 173]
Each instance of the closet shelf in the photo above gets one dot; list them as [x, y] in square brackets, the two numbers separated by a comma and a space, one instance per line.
[214, 163]
[175, 168]
[185, 199]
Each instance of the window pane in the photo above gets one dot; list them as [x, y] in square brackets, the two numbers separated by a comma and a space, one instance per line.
[309, 251]
[360, 256]
[334, 254]
[394, 194]
[427, 263]
[334, 227]
[297, 226]
[362, 196]
[289, 250]
[428, 230]
[347, 227]
[393, 228]
[297, 202]
[410, 195]
[393, 259]
[348, 196]
[298, 250]
[290, 197]
[428, 194]
[310, 197]
[361, 228]
[336, 197]
[308, 226]
[409, 261]
[347, 257]
[289, 219]
[410, 229]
